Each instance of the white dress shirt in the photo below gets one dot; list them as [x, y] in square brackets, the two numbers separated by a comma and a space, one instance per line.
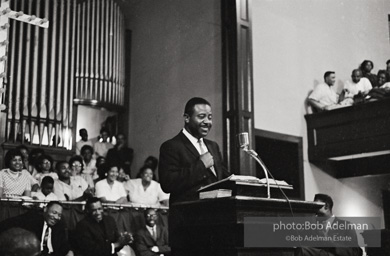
[151, 230]
[49, 245]
[111, 193]
[151, 196]
[195, 142]
[324, 94]
[353, 88]
[198, 143]
[75, 190]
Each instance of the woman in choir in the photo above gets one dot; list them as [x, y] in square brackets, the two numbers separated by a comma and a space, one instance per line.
[109, 189]
[151, 162]
[76, 165]
[145, 190]
[44, 168]
[29, 167]
[25, 152]
[14, 180]
[90, 171]
[366, 68]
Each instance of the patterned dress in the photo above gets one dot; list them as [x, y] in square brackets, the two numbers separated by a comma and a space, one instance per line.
[15, 183]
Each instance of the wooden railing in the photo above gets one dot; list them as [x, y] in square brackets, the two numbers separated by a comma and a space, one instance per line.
[357, 134]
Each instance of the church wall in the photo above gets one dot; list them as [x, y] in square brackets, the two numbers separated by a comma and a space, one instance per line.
[175, 55]
[294, 43]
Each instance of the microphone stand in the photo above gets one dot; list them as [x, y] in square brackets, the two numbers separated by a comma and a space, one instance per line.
[255, 156]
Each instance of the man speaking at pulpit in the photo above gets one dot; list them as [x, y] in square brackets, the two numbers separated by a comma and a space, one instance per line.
[189, 161]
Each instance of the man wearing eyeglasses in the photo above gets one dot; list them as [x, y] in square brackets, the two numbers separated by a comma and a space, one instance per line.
[152, 239]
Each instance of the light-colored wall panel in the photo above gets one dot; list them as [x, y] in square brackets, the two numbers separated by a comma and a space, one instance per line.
[294, 43]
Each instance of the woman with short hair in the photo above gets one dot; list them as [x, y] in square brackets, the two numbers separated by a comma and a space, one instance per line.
[44, 167]
[109, 189]
[14, 180]
[145, 190]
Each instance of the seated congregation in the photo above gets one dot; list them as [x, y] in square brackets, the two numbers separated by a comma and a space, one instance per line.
[364, 86]
[32, 175]
[98, 176]
[96, 233]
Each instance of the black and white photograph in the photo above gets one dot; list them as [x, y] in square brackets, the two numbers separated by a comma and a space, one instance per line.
[194, 127]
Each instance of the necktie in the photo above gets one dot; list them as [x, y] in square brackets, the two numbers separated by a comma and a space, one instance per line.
[203, 151]
[154, 233]
[45, 248]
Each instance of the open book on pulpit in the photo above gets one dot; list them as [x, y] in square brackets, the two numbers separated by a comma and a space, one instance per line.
[241, 185]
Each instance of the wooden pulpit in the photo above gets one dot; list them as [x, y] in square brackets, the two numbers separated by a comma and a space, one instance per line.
[216, 226]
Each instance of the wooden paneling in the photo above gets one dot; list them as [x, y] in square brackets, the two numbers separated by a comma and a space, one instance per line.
[222, 232]
[358, 129]
[238, 82]
[351, 141]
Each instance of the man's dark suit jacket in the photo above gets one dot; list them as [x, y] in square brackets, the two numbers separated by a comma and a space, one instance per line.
[144, 241]
[93, 238]
[33, 221]
[181, 171]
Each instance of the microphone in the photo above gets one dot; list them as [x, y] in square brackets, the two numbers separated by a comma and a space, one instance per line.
[243, 140]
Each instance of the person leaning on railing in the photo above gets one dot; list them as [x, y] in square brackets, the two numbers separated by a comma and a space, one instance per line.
[145, 190]
[357, 85]
[70, 188]
[324, 97]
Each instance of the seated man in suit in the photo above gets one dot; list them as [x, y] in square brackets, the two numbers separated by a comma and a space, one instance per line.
[326, 213]
[152, 240]
[19, 242]
[48, 228]
[97, 234]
